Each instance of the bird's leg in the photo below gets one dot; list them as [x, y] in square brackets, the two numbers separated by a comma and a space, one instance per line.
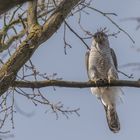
[112, 75]
[110, 78]
[95, 76]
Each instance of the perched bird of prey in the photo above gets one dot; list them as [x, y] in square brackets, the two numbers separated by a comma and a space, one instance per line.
[101, 65]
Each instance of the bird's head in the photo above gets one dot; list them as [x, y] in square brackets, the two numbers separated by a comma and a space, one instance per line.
[100, 37]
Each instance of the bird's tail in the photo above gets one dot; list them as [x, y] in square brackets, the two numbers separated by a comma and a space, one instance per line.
[112, 118]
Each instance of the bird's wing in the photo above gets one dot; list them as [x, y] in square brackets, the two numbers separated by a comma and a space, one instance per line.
[114, 58]
[87, 62]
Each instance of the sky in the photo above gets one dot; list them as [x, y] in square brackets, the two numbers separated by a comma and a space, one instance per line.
[50, 58]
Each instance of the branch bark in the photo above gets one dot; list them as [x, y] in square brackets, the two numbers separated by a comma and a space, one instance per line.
[5, 5]
[37, 36]
[74, 84]
[32, 14]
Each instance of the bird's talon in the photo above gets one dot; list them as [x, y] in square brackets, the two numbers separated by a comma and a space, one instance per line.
[109, 80]
[100, 81]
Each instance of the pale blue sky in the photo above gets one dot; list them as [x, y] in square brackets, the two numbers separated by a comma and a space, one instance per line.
[92, 123]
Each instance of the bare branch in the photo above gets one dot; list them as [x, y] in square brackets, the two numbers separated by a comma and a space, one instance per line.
[74, 84]
[77, 35]
[40, 98]
[128, 76]
[32, 13]
[5, 5]
[37, 36]
[8, 43]
[113, 22]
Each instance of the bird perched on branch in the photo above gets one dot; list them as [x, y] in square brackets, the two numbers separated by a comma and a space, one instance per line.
[101, 65]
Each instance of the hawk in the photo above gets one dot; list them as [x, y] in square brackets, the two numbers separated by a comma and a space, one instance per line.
[101, 63]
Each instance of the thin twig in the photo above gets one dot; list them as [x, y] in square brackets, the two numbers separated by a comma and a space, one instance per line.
[113, 22]
[76, 35]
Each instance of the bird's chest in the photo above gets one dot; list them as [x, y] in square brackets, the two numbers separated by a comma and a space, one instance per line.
[100, 59]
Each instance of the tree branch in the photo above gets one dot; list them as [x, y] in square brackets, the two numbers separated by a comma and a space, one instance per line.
[8, 43]
[74, 84]
[5, 5]
[37, 36]
[32, 13]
